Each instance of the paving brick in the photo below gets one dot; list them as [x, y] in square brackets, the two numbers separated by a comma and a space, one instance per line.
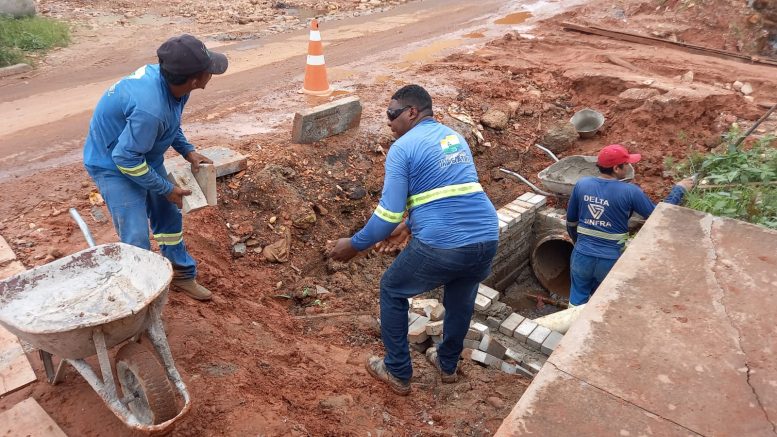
[474, 335]
[206, 179]
[524, 330]
[523, 371]
[526, 196]
[481, 328]
[534, 366]
[538, 200]
[492, 347]
[416, 332]
[550, 343]
[183, 178]
[517, 209]
[420, 304]
[412, 317]
[479, 356]
[538, 336]
[529, 206]
[482, 303]
[493, 323]
[434, 328]
[437, 313]
[514, 215]
[508, 368]
[226, 160]
[502, 227]
[506, 218]
[488, 292]
[6, 253]
[15, 69]
[471, 344]
[11, 269]
[508, 326]
[325, 120]
[492, 361]
[513, 354]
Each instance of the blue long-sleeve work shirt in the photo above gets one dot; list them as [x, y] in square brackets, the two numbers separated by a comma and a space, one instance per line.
[599, 210]
[431, 174]
[133, 125]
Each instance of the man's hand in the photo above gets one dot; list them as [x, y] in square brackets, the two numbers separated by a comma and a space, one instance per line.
[176, 196]
[343, 250]
[196, 159]
[687, 183]
[396, 241]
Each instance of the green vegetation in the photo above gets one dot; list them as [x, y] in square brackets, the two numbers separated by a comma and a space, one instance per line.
[740, 184]
[22, 37]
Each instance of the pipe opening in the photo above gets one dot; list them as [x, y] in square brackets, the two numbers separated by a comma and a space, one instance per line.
[550, 263]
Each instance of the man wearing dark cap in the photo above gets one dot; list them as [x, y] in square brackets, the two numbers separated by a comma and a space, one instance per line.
[134, 123]
[598, 216]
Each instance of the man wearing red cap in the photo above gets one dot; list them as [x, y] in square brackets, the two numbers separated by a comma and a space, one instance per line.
[598, 216]
[136, 121]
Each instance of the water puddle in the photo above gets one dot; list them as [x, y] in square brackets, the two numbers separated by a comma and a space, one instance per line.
[475, 35]
[430, 52]
[514, 18]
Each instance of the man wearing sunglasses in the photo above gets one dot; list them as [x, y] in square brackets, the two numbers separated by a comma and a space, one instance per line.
[455, 231]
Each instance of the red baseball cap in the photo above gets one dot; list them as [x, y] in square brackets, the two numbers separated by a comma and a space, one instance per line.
[615, 154]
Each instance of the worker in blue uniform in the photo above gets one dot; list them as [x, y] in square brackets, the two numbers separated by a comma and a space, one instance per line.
[598, 216]
[455, 231]
[135, 122]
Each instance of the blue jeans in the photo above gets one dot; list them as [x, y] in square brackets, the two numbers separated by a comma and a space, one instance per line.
[132, 208]
[587, 273]
[420, 268]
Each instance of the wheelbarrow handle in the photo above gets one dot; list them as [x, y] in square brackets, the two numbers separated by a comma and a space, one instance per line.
[546, 150]
[82, 225]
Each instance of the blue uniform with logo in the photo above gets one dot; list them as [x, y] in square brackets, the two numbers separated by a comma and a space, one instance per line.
[135, 122]
[431, 175]
[598, 218]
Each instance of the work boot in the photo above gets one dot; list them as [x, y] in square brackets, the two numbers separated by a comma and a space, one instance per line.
[377, 368]
[192, 289]
[447, 378]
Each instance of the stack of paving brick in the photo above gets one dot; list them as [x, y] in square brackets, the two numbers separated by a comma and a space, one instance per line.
[203, 184]
[516, 220]
[425, 330]
[527, 332]
[490, 352]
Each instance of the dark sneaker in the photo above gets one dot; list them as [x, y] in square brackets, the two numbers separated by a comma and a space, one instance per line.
[447, 378]
[377, 368]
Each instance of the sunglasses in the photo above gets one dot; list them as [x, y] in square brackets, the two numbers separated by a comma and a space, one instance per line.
[394, 113]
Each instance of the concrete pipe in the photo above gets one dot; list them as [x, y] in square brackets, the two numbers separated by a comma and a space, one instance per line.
[550, 263]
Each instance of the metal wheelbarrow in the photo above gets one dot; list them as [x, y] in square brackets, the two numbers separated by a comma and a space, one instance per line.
[90, 301]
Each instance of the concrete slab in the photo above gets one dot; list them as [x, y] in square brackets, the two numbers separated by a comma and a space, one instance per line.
[226, 161]
[28, 418]
[15, 370]
[325, 120]
[678, 338]
[206, 179]
[6, 253]
[183, 178]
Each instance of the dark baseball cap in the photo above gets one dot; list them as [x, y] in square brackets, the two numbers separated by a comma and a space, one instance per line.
[186, 55]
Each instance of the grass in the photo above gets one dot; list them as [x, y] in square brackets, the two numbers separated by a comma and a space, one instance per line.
[22, 37]
[740, 184]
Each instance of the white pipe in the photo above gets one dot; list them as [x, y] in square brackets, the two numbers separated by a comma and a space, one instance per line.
[560, 321]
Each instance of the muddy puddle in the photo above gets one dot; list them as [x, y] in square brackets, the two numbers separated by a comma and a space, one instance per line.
[514, 18]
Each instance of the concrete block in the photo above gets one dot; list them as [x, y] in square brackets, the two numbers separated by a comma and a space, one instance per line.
[6, 253]
[529, 206]
[493, 323]
[471, 344]
[517, 209]
[550, 343]
[15, 69]
[523, 371]
[206, 178]
[488, 292]
[492, 361]
[514, 216]
[492, 347]
[479, 356]
[537, 337]
[508, 368]
[502, 227]
[526, 196]
[538, 200]
[474, 335]
[505, 218]
[524, 330]
[411, 317]
[482, 303]
[183, 178]
[434, 328]
[10, 269]
[508, 326]
[226, 161]
[420, 304]
[513, 354]
[481, 328]
[437, 313]
[325, 120]
[416, 332]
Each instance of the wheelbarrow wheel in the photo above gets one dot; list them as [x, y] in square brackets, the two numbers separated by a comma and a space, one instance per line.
[144, 382]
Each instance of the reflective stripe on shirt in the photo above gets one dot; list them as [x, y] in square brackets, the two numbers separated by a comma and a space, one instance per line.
[138, 170]
[389, 216]
[443, 192]
[600, 234]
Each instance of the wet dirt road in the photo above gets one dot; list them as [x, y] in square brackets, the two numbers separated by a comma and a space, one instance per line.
[46, 117]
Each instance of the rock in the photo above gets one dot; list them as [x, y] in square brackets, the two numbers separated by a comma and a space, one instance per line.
[496, 402]
[687, 77]
[55, 252]
[98, 215]
[461, 128]
[737, 85]
[238, 250]
[357, 193]
[303, 217]
[746, 89]
[495, 119]
[17, 8]
[635, 97]
[252, 242]
[320, 291]
[560, 137]
[320, 209]
[515, 107]
[750, 99]
[278, 251]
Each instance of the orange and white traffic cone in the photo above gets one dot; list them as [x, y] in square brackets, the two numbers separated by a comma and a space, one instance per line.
[316, 83]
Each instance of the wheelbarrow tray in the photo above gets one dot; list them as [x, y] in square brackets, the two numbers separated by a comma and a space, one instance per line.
[562, 175]
[57, 306]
